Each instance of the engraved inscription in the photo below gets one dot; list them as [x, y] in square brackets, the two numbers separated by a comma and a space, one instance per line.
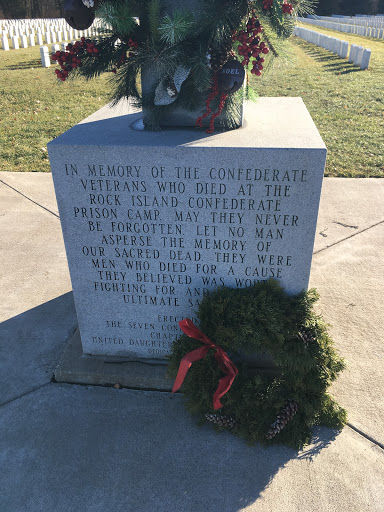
[158, 238]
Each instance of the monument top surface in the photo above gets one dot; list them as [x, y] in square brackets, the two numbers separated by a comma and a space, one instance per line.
[269, 123]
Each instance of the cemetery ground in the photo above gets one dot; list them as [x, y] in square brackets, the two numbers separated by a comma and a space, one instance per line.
[99, 449]
[346, 104]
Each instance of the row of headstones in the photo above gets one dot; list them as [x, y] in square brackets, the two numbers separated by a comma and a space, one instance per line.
[366, 31]
[357, 56]
[19, 27]
[56, 30]
[366, 21]
[49, 37]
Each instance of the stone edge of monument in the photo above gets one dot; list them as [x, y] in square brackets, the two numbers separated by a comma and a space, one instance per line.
[278, 123]
[76, 368]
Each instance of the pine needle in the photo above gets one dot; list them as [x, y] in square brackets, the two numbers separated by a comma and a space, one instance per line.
[118, 16]
[176, 27]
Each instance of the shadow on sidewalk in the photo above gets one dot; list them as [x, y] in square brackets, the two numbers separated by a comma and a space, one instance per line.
[98, 449]
[89, 448]
[31, 343]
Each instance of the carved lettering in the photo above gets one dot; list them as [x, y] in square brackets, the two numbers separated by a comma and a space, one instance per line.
[156, 239]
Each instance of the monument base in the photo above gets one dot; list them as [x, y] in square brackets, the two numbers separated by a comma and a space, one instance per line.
[75, 367]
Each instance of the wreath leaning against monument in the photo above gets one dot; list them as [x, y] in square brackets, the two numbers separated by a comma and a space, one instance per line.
[277, 406]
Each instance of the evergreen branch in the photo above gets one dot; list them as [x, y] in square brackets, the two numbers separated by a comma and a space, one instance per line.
[118, 15]
[125, 81]
[153, 18]
[200, 72]
[221, 19]
[176, 27]
[109, 54]
[230, 118]
[303, 7]
[277, 11]
[271, 46]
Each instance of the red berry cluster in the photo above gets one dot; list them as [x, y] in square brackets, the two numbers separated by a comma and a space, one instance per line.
[132, 44]
[70, 59]
[223, 98]
[250, 47]
[287, 8]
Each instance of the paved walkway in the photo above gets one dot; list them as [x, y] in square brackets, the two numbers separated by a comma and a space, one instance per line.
[70, 448]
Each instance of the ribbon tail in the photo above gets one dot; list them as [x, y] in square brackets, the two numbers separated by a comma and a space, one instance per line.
[186, 363]
[224, 384]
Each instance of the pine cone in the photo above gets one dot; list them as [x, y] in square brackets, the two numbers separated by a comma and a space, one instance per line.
[306, 337]
[222, 421]
[285, 415]
[219, 56]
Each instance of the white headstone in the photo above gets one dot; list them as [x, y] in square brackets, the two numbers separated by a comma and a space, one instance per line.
[338, 46]
[352, 53]
[39, 36]
[5, 43]
[65, 35]
[344, 49]
[48, 37]
[63, 46]
[152, 221]
[55, 47]
[70, 33]
[359, 55]
[365, 59]
[53, 36]
[44, 54]
[15, 42]
[58, 36]
[24, 42]
[31, 40]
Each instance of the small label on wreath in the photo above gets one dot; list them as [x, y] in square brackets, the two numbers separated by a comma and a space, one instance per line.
[231, 77]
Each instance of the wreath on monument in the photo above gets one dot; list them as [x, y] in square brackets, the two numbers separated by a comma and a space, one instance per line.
[180, 52]
[279, 405]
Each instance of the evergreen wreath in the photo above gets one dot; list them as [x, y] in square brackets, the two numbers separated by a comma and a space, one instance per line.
[281, 406]
[182, 50]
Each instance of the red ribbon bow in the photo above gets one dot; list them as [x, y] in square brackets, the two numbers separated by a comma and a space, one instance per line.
[190, 329]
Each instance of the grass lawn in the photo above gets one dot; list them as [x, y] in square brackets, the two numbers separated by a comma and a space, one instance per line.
[35, 108]
[346, 104]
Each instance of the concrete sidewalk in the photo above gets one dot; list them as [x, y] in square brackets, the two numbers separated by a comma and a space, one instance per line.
[83, 448]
